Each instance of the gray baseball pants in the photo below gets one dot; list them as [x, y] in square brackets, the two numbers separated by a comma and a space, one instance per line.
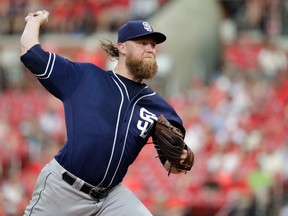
[53, 196]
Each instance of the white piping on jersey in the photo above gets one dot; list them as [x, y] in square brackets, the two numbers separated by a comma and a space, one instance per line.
[115, 135]
[126, 135]
[45, 75]
[122, 84]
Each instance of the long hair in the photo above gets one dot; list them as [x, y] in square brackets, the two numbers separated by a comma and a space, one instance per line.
[110, 49]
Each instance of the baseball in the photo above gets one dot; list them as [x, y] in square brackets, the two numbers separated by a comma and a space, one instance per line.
[36, 14]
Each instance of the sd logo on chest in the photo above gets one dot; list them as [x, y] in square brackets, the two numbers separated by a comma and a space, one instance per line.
[146, 122]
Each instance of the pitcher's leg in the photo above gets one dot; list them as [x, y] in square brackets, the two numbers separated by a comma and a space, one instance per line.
[122, 202]
[34, 204]
[52, 196]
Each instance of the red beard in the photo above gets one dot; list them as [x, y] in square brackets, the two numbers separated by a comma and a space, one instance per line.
[141, 69]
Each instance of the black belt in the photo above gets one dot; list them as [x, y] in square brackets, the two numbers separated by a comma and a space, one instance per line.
[94, 192]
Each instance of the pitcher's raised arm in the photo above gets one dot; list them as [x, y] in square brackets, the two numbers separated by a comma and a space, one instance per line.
[30, 35]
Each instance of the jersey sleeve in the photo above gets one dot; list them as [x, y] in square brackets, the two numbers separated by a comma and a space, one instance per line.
[57, 74]
[164, 108]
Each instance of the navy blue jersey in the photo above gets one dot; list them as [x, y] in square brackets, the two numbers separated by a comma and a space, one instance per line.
[108, 118]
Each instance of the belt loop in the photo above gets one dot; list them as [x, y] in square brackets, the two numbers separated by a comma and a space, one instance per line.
[78, 183]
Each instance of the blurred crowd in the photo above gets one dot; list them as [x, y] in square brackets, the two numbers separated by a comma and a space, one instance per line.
[268, 17]
[236, 124]
[76, 16]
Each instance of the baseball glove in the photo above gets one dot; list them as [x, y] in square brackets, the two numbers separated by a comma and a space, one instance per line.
[170, 141]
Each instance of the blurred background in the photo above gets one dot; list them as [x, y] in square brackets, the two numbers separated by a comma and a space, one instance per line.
[224, 67]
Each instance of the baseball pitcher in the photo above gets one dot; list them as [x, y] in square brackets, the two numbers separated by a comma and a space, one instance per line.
[110, 115]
